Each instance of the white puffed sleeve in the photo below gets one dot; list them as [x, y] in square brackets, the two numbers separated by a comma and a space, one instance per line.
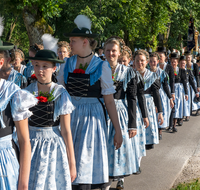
[20, 104]
[63, 105]
[60, 76]
[106, 80]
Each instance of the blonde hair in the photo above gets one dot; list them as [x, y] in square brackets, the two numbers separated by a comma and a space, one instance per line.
[142, 52]
[126, 52]
[64, 44]
[20, 53]
[115, 40]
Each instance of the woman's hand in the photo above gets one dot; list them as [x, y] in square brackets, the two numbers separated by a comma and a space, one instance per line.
[186, 97]
[173, 97]
[73, 172]
[171, 103]
[197, 95]
[160, 118]
[118, 140]
[132, 133]
[146, 122]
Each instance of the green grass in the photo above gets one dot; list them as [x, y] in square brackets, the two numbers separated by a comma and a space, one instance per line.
[195, 185]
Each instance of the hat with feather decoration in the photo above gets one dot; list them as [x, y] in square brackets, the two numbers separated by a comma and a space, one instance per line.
[49, 53]
[4, 45]
[83, 29]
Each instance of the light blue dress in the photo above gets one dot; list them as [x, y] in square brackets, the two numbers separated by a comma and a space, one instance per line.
[49, 162]
[20, 101]
[29, 70]
[164, 99]
[122, 162]
[151, 131]
[17, 78]
[88, 124]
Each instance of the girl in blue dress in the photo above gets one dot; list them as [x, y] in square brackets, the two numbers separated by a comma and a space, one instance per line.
[52, 156]
[14, 111]
[190, 82]
[165, 94]
[195, 70]
[124, 161]
[181, 89]
[86, 78]
[151, 91]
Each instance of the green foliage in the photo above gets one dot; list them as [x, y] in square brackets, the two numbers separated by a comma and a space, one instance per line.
[138, 22]
[188, 186]
[48, 95]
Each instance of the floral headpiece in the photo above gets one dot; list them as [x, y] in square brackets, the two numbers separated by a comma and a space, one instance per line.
[154, 54]
[143, 52]
[120, 40]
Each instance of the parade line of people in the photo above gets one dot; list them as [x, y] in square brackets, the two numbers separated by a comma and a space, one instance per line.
[73, 120]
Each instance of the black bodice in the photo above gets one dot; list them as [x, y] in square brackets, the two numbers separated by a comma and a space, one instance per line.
[43, 114]
[8, 121]
[79, 85]
[119, 94]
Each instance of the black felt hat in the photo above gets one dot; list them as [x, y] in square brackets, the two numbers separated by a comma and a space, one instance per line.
[5, 46]
[188, 53]
[161, 49]
[83, 28]
[46, 55]
[174, 55]
[183, 57]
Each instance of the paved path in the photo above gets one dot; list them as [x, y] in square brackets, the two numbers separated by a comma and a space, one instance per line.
[163, 164]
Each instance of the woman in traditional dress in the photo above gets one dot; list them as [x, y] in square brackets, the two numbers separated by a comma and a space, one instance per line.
[14, 105]
[181, 90]
[190, 81]
[151, 91]
[10, 74]
[165, 94]
[125, 56]
[195, 69]
[19, 58]
[86, 77]
[124, 161]
[52, 157]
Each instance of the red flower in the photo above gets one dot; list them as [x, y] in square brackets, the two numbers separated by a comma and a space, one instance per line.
[33, 76]
[112, 77]
[175, 74]
[81, 71]
[42, 99]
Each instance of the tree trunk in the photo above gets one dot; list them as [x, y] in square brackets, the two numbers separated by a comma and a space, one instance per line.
[36, 25]
[12, 26]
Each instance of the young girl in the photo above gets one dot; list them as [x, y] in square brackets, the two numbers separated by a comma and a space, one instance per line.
[125, 56]
[19, 57]
[165, 94]
[181, 91]
[194, 68]
[190, 81]
[14, 105]
[52, 158]
[87, 77]
[29, 70]
[124, 161]
[151, 91]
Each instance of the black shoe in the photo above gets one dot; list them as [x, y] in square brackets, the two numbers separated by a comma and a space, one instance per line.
[138, 172]
[149, 146]
[174, 129]
[170, 129]
[120, 185]
[160, 136]
[187, 118]
[197, 113]
[180, 122]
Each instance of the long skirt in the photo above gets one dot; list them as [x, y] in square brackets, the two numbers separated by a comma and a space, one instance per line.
[140, 138]
[9, 168]
[152, 130]
[49, 162]
[195, 105]
[179, 95]
[187, 104]
[165, 107]
[122, 162]
[89, 132]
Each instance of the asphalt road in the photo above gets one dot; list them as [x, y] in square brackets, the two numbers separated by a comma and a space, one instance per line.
[163, 164]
